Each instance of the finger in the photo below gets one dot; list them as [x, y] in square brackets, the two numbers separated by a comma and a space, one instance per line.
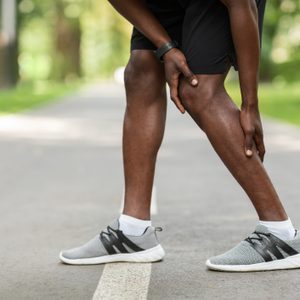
[174, 96]
[249, 144]
[258, 138]
[188, 74]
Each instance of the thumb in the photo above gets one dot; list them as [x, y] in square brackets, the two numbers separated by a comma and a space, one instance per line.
[189, 75]
[249, 145]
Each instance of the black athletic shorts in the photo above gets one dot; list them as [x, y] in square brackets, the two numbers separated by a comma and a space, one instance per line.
[202, 29]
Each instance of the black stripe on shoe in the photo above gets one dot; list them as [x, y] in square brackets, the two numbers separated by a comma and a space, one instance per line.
[268, 244]
[115, 238]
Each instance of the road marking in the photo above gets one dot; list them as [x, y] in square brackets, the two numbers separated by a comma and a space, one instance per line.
[154, 209]
[124, 281]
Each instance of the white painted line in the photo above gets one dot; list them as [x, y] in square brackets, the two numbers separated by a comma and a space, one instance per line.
[154, 210]
[124, 281]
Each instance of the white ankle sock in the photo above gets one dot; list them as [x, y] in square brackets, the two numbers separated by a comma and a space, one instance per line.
[133, 226]
[282, 229]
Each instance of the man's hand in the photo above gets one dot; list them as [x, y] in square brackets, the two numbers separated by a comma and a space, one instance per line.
[137, 12]
[252, 127]
[175, 65]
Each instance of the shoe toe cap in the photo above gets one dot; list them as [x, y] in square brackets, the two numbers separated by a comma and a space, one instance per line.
[92, 248]
[242, 254]
[70, 254]
[215, 260]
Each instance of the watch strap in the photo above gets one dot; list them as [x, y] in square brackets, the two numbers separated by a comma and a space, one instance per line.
[161, 51]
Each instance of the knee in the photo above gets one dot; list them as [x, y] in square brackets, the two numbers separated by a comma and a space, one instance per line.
[198, 98]
[143, 74]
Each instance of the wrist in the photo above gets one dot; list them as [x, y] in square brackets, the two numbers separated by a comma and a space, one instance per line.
[159, 43]
[164, 49]
[250, 104]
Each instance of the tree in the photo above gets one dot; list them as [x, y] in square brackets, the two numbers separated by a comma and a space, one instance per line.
[9, 73]
[67, 40]
[60, 19]
[279, 14]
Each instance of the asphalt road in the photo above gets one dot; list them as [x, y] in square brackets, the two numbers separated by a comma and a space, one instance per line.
[62, 182]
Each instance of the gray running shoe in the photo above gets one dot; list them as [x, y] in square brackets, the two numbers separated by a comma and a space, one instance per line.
[261, 251]
[112, 245]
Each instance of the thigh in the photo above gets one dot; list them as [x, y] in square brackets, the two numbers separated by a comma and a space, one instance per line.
[207, 41]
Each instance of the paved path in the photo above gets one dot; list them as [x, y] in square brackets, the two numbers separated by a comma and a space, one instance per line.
[61, 182]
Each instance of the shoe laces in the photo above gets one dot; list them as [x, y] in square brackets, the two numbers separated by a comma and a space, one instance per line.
[257, 236]
[107, 231]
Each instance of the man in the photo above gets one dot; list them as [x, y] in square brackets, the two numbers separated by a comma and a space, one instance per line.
[211, 36]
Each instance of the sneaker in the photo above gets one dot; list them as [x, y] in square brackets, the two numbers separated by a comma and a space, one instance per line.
[112, 245]
[261, 251]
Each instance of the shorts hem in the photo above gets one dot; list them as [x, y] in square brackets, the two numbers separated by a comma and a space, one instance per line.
[211, 70]
[142, 47]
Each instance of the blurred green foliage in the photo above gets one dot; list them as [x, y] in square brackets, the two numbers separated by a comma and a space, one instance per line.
[62, 40]
[48, 29]
[27, 95]
[281, 41]
[65, 39]
[277, 100]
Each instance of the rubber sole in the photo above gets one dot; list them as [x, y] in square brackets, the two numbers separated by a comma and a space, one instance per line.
[291, 262]
[150, 255]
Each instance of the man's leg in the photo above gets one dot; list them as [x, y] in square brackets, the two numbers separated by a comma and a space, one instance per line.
[143, 130]
[273, 245]
[212, 109]
[131, 237]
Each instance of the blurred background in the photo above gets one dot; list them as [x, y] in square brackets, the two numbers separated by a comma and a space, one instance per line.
[51, 47]
[61, 171]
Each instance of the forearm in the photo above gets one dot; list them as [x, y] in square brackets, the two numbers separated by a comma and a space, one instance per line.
[136, 12]
[245, 33]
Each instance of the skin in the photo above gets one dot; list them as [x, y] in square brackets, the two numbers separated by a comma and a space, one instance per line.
[235, 134]
[143, 129]
[244, 20]
[216, 114]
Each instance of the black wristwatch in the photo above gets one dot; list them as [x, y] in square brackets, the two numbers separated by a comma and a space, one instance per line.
[160, 52]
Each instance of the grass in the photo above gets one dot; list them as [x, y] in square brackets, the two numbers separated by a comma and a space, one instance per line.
[26, 96]
[276, 100]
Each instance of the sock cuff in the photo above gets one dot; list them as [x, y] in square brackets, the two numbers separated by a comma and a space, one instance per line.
[277, 224]
[134, 221]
